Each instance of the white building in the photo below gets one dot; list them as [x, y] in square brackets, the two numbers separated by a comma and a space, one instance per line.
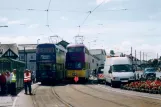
[100, 54]
[94, 62]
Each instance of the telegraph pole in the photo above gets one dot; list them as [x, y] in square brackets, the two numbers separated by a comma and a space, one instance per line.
[25, 57]
[140, 57]
[135, 57]
[143, 56]
[131, 56]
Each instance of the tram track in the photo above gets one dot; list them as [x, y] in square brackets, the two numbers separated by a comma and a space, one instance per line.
[60, 102]
[60, 99]
[125, 95]
[96, 97]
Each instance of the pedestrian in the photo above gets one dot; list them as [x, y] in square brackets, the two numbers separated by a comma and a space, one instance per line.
[27, 81]
[3, 83]
[8, 81]
[13, 90]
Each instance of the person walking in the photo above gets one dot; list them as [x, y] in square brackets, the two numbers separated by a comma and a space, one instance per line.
[27, 81]
[13, 90]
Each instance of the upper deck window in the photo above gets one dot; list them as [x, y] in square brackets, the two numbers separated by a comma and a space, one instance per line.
[76, 49]
[45, 50]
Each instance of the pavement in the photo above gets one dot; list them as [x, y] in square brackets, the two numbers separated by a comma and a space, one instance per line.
[21, 100]
[6, 101]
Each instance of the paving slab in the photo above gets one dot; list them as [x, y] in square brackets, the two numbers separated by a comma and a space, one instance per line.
[21, 100]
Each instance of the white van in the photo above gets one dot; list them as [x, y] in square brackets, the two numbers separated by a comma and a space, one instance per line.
[118, 70]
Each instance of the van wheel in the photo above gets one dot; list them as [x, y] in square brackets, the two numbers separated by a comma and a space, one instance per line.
[106, 83]
[113, 84]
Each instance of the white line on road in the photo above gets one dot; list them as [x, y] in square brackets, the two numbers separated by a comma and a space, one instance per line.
[14, 103]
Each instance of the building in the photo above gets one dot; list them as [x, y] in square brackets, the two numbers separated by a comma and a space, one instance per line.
[94, 62]
[100, 54]
[9, 51]
[27, 53]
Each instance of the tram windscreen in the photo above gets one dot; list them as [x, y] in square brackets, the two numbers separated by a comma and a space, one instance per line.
[76, 49]
[46, 66]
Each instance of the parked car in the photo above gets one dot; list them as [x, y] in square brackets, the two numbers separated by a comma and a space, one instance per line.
[149, 73]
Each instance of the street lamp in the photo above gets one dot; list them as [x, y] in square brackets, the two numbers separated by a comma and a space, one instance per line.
[38, 41]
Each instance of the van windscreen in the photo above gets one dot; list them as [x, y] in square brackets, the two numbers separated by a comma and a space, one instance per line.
[122, 68]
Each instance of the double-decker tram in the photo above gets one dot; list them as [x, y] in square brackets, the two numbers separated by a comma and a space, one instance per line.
[77, 62]
[50, 61]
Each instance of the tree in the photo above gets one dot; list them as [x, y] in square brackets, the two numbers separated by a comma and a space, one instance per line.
[121, 55]
[112, 53]
[155, 62]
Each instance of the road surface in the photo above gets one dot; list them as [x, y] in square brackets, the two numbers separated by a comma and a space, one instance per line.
[89, 95]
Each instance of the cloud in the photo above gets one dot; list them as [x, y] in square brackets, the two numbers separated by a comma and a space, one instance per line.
[3, 19]
[100, 1]
[63, 18]
[107, 1]
[32, 26]
[13, 22]
[22, 39]
[155, 16]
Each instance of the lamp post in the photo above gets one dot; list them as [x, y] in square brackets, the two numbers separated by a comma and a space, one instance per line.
[38, 41]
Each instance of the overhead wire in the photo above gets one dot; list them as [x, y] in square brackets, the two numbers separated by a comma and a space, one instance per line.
[47, 20]
[90, 12]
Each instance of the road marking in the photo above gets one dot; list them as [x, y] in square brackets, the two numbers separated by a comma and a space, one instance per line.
[14, 103]
[123, 92]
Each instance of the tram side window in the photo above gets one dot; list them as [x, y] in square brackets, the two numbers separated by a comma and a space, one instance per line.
[86, 65]
[86, 51]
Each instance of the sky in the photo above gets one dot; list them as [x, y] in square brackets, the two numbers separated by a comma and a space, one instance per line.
[114, 24]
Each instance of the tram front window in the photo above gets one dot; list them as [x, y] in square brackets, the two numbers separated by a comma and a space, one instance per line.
[47, 66]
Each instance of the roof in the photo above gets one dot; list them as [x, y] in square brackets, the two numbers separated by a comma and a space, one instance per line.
[76, 45]
[95, 57]
[28, 51]
[10, 59]
[5, 47]
[63, 43]
[27, 46]
[119, 60]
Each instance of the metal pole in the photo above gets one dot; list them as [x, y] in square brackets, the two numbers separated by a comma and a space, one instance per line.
[25, 57]
[143, 56]
[157, 55]
[24, 54]
[135, 58]
[131, 55]
[38, 41]
[140, 57]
